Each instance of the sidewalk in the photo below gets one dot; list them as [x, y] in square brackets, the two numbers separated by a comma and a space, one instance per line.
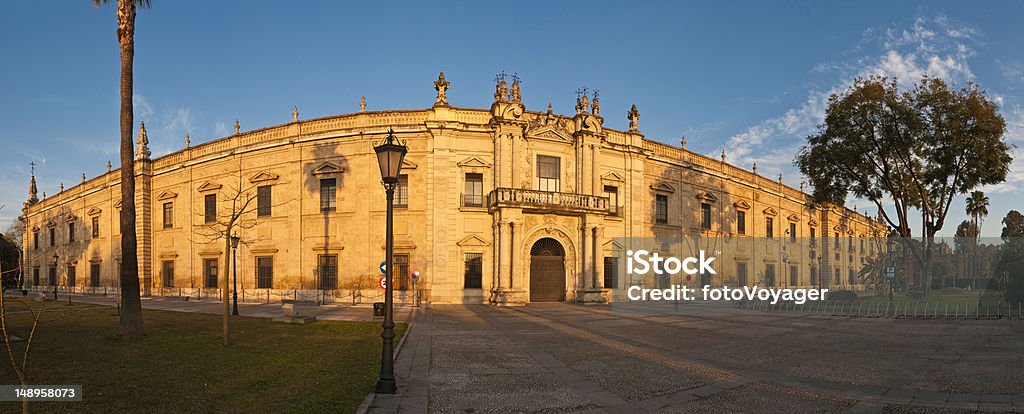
[331, 312]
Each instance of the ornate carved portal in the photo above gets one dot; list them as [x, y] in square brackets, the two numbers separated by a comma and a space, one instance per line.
[547, 271]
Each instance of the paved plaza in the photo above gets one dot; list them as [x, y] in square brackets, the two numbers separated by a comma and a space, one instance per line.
[701, 357]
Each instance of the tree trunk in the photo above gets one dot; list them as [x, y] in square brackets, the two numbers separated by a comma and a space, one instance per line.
[131, 305]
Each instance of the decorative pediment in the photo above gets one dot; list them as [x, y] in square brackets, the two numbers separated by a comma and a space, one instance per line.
[70, 218]
[118, 204]
[663, 187]
[95, 211]
[473, 162]
[51, 224]
[613, 176]
[209, 186]
[770, 212]
[813, 222]
[794, 218]
[472, 241]
[550, 133]
[263, 176]
[327, 169]
[408, 165]
[706, 196]
[612, 245]
[741, 205]
[167, 195]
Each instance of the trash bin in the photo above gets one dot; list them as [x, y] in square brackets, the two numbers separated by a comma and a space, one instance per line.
[378, 309]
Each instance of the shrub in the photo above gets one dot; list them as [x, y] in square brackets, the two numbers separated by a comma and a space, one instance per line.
[914, 296]
[847, 295]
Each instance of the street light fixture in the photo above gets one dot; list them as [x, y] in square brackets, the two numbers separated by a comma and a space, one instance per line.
[234, 269]
[390, 154]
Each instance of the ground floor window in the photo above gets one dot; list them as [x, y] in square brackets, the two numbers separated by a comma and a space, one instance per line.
[814, 275]
[837, 276]
[94, 275]
[401, 273]
[264, 272]
[327, 267]
[35, 276]
[53, 275]
[769, 274]
[611, 272]
[167, 271]
[853, 277]
[474, 272]
[794, 276]
[71, 275]
[210, 273]
[741, 273]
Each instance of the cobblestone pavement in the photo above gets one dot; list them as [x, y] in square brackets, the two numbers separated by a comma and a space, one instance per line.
[556, 358]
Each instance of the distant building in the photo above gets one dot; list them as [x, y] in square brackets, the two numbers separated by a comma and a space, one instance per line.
[499, 206]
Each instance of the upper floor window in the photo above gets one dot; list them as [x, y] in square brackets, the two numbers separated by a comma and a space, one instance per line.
[660, 208]
[402, 192]
[210, 210]
[769, 227]
[95, 227]
[328, 194]
[474, 195]
[53, 237]
[705, 216]
[71, 232]
[837, 242]
[741, 222]
[792, 232]
[548, 173]
[812, 234]
[612, 193]
[263, 201]
[169, 215]
[35, 239]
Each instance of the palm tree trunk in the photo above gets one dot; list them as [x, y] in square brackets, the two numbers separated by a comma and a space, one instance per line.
[131, 305]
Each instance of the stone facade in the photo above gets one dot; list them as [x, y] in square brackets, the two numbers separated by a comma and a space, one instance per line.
[483, 187]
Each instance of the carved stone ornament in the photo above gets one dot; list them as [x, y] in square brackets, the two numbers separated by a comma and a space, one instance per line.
[634, 120]
[441, 86]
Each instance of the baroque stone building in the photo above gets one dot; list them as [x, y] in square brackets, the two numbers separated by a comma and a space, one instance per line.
[503, 205]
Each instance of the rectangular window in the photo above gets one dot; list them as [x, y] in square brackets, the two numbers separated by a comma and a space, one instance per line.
[837, 276]
[814, 275]
[473, 275]
[474, 195]
[812, 235]
[265, 272]
[263, 201]
[327, 266]
[660, 208]
[210, 272]
[741, 222]
[705, 216]
[169, 215]
[167, 270]
[401, 272]
[94, 275]
[837, 244]
[35, 239]
[402, 192]
[769, 227]
[792, 232]
[794, 275]
[53, 237]
[853, 276]
[210, 210]
[328, 194]
[35, 276]
[612, 193]
[769, 274]
[611, 272]
[548, 173]
[849, 243]
[741, 273]
[71, 232]
[71, 275]
[53, 275]
[95, 227]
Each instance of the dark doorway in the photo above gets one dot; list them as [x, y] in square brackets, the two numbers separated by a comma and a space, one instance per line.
[547, 271]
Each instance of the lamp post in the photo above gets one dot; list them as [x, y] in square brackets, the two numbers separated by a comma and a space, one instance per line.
[891, 276]
[784, 255]
[389, 156]
[55, 258]
[234, 270]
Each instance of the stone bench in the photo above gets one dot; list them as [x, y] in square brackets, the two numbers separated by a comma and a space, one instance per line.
[292, 314]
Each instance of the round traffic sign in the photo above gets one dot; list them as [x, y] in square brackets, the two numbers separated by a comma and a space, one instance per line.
[415, 274]
[384, 267]
[383, 282]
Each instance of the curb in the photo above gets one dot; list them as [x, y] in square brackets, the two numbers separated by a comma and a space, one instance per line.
[371, 396]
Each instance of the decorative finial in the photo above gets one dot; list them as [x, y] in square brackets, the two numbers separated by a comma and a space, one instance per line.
[188, 142]
[108, 165]
[683, 141]
[597, 103]
[780, 178]
[723, 155]
[755, 167]
[33, 166]
[500, 87]
[362, 103]
[236, 126]
[441, 86]
[142, 151]
[514, 94]
[33, 191]
[550, 110]
[802, 183]
[44, 195]
[634, 118]
[83, 177]
[61, 187]
[295, 113]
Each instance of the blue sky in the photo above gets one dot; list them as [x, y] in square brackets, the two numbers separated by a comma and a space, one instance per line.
[749, 77]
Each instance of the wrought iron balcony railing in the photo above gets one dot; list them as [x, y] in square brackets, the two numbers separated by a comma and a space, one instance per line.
[472, 200]
[548, 200]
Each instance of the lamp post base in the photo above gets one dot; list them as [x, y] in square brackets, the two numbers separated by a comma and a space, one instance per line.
[386, 386]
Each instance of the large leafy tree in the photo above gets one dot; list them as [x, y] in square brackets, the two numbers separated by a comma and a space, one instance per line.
[131, 305]
[1013, 225]
[906, 150]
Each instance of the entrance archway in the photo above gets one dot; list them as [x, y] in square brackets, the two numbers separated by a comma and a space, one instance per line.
[547, 271]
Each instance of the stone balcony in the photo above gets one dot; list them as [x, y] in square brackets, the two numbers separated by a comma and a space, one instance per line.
[548, 201]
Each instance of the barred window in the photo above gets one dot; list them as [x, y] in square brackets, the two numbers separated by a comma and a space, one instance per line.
[327, 266]
[401, 272]
[611, 272]
[210, 203]
[794, 275]
[660, 208]
[402, 192]
[328, 194]
[167, 270]
[741, 273]
[548, 173]
[263, 201]
[474, 195]
[473, 274]
[264, 272]
[71, 275]
[210, 271]
[94, 275]
[705, 216]
[769, 274]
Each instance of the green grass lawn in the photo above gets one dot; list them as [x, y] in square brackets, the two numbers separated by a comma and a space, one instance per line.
[182, 366]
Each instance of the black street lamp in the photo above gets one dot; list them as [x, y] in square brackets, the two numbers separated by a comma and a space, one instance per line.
[389, 156]
[55, 258]
[234, 269]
